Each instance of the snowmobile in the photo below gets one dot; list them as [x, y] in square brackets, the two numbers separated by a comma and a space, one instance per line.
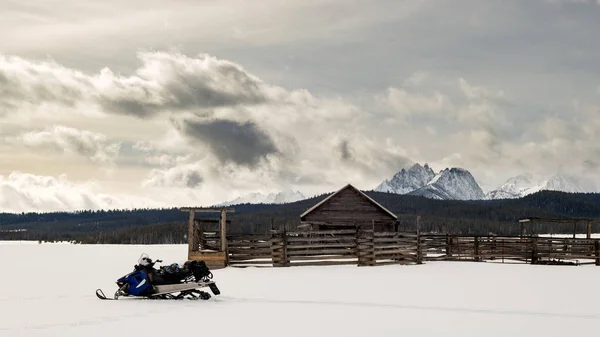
[167, 282]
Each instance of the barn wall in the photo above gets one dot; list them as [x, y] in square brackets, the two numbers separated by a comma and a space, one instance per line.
[346, 208]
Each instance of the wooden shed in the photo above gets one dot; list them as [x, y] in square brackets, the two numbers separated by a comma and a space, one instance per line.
[346, 209]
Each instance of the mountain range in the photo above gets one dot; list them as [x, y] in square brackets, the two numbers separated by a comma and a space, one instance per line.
[285, 196]
[459, 184]
[448, 184]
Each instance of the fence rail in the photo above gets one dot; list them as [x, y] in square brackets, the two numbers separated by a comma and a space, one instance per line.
[365, 247]
[528, 249]
[327, 247]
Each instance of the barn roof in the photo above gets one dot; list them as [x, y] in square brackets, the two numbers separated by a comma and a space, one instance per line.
[356, 190]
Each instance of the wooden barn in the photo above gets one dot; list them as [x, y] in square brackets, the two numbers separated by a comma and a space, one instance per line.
[347, 209]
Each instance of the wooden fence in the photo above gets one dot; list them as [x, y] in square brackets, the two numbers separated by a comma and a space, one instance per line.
[528, 249]
[325, 247]
[369, 248]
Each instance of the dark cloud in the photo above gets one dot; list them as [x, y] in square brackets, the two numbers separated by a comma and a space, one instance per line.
[193, 179]
[23, 81]
[230, 141]
[168, 81]
[345, 151]
[178, 176]
[164, 82]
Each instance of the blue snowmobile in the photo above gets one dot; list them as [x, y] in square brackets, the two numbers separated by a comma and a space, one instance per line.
[167, 282]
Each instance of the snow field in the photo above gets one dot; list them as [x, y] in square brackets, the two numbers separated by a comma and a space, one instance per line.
[48, 290]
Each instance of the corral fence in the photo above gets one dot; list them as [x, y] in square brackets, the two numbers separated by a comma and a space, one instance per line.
[283, 248]
[527, 249]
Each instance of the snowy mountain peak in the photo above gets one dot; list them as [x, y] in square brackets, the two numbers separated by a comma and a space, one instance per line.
[285, 196]
[563, 183]
[405, 181]
[452, 183]
[522, 185]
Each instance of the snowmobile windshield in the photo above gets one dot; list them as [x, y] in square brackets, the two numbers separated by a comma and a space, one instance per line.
[144, 259]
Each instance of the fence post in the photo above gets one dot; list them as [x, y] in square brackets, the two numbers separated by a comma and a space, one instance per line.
[476, 249]
[597, 251]
[534, 250]
[284, 240]
[365, 245]
[419, 246]
[192, 244]
[448, 246]
[278, 248]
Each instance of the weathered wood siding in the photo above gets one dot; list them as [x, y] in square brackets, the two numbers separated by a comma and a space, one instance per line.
[348, 208]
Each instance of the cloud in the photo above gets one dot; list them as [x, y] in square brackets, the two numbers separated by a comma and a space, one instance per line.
[26, 84]
[165, 82]
[166, 160]
[406, 103]
[143, 146]
[485, 108]
[204, 124]
[91, 145]
[345, 152]
[473, 92]
[221, 112]
[242, 143]
[23, 192]
[172, 81]
[186, 176]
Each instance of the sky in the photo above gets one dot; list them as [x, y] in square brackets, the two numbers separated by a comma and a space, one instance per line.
[122, 104]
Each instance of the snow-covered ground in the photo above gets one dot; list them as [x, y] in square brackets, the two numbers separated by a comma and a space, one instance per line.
[48, 290]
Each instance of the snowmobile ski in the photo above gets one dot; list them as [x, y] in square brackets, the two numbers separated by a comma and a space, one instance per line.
[101, 295]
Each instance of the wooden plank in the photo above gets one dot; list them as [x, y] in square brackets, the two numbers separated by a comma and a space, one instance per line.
[320, 239]
[250, 246]
[395, 235]
[248, 237]
[395, 246]
[236, 258]
[392, 240]
[322, 252]
[323, 263]
[324, 232]
[326, 245]
[396, 251]
[211, 259]
[250, 251]
[251, 262]
[323, 257]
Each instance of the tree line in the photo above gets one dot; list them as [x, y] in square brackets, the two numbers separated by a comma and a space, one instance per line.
[169, 225]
